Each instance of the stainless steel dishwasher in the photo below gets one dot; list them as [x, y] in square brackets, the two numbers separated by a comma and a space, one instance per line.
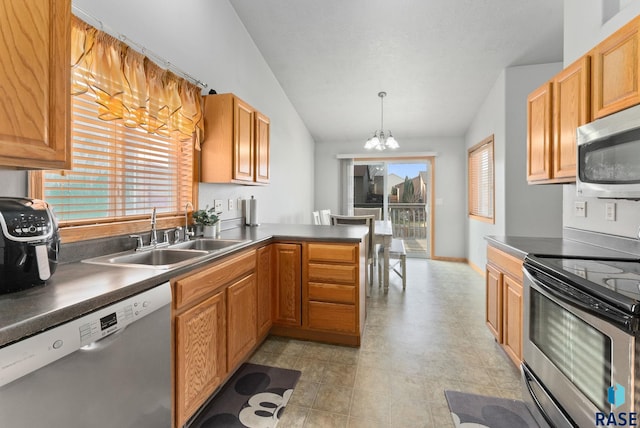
[109, 368]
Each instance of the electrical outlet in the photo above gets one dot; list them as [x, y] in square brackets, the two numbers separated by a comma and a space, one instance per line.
[580, 208]
[610, 211]
[217, 205]
[230, 204]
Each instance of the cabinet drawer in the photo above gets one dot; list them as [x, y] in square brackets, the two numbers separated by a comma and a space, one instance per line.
[332, 293]
[190, 288]
[332, 273]
[332, 317]
[509, 264]
[333, 253]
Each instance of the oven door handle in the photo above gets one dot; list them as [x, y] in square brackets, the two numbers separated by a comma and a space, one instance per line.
[592, 306]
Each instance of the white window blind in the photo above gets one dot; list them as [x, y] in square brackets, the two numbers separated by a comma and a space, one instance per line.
[118, 172]
[481, 180]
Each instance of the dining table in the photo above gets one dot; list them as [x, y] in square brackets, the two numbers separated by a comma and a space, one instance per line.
[383, 234]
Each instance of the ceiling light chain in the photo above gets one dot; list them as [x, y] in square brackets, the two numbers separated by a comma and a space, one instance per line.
[380, 141]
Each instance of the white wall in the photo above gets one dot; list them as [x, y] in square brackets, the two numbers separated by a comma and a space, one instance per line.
[206, 39]
[450, 185]
[520, 209]
[583, 30]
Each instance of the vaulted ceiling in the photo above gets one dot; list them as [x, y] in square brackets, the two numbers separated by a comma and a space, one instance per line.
[436, 59]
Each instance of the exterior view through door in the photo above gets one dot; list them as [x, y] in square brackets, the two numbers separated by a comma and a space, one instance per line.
[401, 191]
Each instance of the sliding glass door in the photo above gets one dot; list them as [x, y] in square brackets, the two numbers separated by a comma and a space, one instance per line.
[401, 191]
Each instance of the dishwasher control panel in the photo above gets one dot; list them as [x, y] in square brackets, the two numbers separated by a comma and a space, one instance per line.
[25, 356]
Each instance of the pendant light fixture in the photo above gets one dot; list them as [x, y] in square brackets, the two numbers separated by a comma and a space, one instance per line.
[380, 140]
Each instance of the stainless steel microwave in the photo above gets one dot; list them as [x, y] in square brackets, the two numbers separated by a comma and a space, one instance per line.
[609, 156]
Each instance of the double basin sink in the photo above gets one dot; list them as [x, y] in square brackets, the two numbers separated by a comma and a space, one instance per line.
[170, 257]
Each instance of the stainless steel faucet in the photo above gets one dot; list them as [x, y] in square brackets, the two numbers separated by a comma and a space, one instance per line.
[154, 233]
[187, 233]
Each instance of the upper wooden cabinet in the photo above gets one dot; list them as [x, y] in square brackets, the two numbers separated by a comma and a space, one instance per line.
[236, 144]
[554, 111]
[539, 133]
[262, 126]
[35, 84]
[616, 71]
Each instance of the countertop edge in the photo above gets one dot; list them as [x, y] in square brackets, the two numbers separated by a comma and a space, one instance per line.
[32, 325]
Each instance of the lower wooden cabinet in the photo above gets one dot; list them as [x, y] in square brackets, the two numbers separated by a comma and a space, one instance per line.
[214, 328]
[286, 300]
[512, 318]
[265, 280]
[494, 301]
[200, 363]
[242, 328]
[504, 301]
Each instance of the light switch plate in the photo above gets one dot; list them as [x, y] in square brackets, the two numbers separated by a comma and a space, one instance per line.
[217, 205]
[580, 208]
[230, 205]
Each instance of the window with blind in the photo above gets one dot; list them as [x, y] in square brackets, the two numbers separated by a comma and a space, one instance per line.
[134, 129]
[481, 181]
[118, 171]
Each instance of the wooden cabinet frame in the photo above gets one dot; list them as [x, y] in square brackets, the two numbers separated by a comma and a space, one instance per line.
[36, 103]
[504, 301]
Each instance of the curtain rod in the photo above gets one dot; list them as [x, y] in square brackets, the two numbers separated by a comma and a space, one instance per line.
[140, 48]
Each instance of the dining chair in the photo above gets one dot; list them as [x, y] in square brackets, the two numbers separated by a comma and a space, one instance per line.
[325, 217]
[367, 220]
[375, 212]
[316, 218]
[397, 251]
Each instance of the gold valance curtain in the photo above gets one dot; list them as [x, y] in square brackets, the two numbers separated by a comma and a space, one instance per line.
[130, 87]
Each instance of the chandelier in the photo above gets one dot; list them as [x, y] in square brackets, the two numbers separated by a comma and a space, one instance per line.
[380, 140]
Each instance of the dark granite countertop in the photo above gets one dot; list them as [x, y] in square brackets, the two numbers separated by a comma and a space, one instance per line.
[77, 288]
[520, 246]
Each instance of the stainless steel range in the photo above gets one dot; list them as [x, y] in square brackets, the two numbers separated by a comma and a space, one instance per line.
[580, 345]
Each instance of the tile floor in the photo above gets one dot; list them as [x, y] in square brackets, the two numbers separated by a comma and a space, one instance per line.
[416, 344]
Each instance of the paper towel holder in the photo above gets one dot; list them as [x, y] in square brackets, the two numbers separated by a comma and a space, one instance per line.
[251, 212]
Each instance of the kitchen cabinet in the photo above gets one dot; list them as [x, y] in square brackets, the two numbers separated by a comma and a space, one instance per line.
[319, 291]
[236, 143]
[35, 84]
[512, 318]
[332, 276]
[242, 331]
[265, 284]
[554, 111]
[286, 299]
[494, 301]
[200, 364]
[539, 133]
[214, 328]
[263, 162]
[616, 71]
[504, 301]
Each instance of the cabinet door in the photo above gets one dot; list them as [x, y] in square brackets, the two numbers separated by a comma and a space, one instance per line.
[264, 274]
[35, 84]
[241, 320]
[494, 302]
[571, 107]
[512, 318]
[616, 78]
[242, 141]
[262, 148]
[200, 348]
[287, 304]
[539, 134]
